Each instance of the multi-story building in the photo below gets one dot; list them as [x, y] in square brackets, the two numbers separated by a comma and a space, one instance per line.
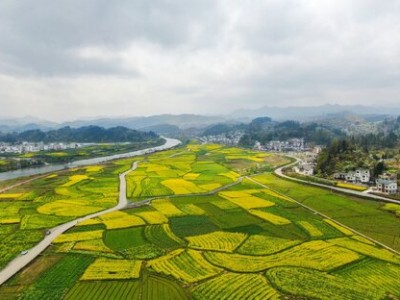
[386, 186]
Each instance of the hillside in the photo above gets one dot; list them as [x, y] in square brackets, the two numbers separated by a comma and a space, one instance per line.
[87, 134]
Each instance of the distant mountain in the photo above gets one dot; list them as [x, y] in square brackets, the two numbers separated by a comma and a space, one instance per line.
[307, 113]
[87, 134]
[163, 129]
[183, 121]
[26, 123]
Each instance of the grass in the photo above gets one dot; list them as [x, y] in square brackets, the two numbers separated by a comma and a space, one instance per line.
[119, 239]
[56, 281]
[105, 290]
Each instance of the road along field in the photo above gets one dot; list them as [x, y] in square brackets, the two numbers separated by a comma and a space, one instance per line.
[246, 241]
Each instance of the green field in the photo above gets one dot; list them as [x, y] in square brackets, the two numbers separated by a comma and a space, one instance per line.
[244, 241]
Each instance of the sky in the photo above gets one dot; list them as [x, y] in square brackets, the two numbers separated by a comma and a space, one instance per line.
[69, 59]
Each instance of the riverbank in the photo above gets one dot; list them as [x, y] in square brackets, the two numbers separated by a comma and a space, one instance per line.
[169, 143]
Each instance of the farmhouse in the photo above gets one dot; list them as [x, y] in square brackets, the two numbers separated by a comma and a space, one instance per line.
[359, 176]
[386, 186]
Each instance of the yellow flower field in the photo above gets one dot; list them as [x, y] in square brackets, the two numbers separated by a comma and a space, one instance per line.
[68, 208]
[112, 269]
[153, 217]
[192, 209]
[92, 245]
[74, 179]
[311, 229]
[10, 196]
[245, 199]
[165, 207]
[188, 266]
[274, 219]
[94, 169]
[191, 176]
[79, 236]
[317, 255]
[181, 186]
[119, 219]
[217, 241]
[338, 227]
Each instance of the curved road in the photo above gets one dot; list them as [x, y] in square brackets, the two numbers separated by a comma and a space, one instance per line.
[23, 260]
[333, 188]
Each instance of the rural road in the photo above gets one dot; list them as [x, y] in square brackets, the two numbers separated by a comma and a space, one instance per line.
[342, 190]
[23, 260]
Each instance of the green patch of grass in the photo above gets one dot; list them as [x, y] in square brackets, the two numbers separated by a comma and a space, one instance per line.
[119, 239]
[56, 281]
[191, 225]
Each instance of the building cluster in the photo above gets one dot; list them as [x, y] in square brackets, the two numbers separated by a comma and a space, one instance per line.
[358, 176]
[386, 183]
[36, 147]
[226, 139]
[282, 146]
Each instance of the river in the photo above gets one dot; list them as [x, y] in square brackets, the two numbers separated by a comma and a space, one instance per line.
[169, 143]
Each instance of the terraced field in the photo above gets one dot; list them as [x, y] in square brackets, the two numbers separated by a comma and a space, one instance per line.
[243, 241]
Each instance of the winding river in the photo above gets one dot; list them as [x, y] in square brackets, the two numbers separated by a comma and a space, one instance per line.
[169, 143]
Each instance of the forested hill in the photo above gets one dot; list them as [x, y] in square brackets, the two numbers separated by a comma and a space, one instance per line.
[87, 134]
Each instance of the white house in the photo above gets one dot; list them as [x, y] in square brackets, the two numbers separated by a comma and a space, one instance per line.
[360, 175]
[386, 186]
[363, 176]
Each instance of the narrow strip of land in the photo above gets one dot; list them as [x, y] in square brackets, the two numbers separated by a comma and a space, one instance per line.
[279, 172]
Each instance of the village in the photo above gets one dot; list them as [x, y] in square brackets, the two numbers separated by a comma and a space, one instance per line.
[306, 155]
[26, 147]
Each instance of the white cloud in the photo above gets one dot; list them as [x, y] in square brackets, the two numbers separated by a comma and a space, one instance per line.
[78, 59]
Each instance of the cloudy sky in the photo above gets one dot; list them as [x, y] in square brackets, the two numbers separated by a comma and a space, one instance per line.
[68, 59]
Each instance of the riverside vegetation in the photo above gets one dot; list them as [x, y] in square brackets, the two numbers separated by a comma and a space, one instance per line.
[210, 232]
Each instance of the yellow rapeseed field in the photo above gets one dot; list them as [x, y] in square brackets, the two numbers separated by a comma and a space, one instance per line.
[217, 241]
[92, 245]
[311, 229]
[165, 207]
[74, 179]
[68, 208]
[180, 186]
[274, 219]
[79, 236]
[119, 219]
[112, 269]
[188, 266]
[10, 196]
[339, 227]
[153, 217]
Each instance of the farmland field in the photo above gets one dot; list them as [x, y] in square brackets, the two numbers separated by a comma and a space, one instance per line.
[205, 234]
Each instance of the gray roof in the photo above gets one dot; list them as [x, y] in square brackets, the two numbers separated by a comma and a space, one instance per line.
[385, 181]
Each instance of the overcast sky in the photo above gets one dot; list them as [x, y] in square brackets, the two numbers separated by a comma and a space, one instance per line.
[66, 59]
